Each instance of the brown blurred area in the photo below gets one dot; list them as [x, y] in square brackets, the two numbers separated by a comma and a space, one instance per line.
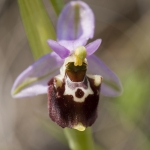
[124, 27]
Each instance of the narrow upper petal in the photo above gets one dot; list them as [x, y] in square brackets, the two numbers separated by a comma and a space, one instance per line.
[34, 80]
[93, 46]
[59, 49]
[111, 85]
[75, 21]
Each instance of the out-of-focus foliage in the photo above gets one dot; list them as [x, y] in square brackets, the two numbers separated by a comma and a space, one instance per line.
[133, 102]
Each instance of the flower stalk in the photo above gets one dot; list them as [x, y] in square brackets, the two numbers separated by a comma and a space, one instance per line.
[80, 140]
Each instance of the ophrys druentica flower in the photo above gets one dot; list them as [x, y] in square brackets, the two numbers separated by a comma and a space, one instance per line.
[75, 26]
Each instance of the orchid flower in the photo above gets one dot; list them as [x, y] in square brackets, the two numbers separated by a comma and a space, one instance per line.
[73, 94]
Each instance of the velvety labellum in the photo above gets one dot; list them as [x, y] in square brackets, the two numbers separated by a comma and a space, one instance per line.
[74, 104]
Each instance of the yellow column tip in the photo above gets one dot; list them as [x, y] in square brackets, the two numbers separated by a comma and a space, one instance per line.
[80, 55]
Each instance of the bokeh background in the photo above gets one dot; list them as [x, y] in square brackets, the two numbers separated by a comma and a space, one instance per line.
[123, 122]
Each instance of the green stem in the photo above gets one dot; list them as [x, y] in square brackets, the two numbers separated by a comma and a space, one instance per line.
[38, 26]
[79, 140]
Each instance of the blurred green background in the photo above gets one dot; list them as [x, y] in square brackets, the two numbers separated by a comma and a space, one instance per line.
[123, 122]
